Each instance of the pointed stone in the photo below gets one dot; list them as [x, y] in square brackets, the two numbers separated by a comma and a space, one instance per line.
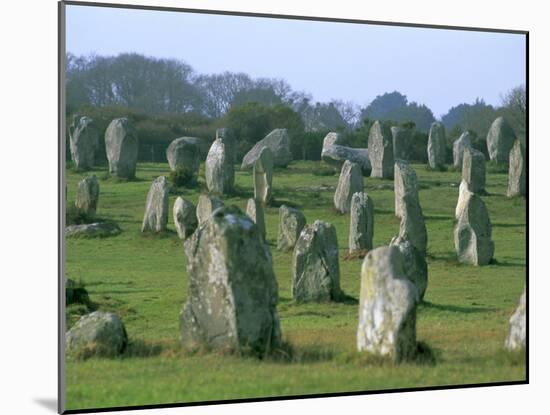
[463, 142]
[349, 182]
[263, 176]
[437, 146]
[361, 227]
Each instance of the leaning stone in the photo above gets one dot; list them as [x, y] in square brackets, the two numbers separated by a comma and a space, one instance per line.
[97, 334]
[437, 146]
[473, 170]
[156, 207]
[277, 141]
[83, 140]
[387, 306]
[87, 195]
[315, 266]
[413, 227]
[92, 230]
[206, 206]
[500, 140]
[402, 143]
[263, 176]
[349, 182]
[405, 182]
[518, 321]
[361, 226]
[219, 169]
[291, 223]
[517, 171]
[459, 146]
[472, 235]
[335, 153]
[381, 151]
[184, 154]
[415, 265]
[121, 146]
[255, 211]
[232, 298]
[185, 217]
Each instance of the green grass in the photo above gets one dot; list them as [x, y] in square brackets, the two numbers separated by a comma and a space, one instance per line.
[464, 320]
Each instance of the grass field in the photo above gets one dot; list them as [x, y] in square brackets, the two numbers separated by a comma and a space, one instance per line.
[464, 319]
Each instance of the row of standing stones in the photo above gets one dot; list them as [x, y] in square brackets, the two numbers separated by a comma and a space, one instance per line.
[232, 287]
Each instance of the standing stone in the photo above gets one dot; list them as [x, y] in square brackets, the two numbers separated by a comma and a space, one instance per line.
[277, 141]
[227, 137]
[263, 176]
[402, 143]
[415, 265]
[437, 146]
[185, 217]
[517, 334]
[121, 146]
[87, 195]
[500, 140]
[315, 266]
[219, 170]
[387, 306]
[350, 182]
[183, 154]
[361, 226]
[405, 182]
[381, 151]
[291, 223]
[335, 153]
[232, 298]
[463, 142]
[473, 170]
[156, 208]
[206, 206]
[83, 140]
[463, 197]
[517, 171]
[472, 233]
[255, 211]
[412, 227]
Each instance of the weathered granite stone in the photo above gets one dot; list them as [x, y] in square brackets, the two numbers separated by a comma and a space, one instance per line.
[291, 223]
[381, 151]
[263, 176]
[413, 227]
[350, 182]
[227, 137]
[517, 171]
[405, 182]
[184, 154]
[500, 140]
[232, 297]
[121, 146]
[361, 226]
[517, 333]
[460, 144]
[83, 141]
[387, 306]
[463, 196]
[156, 207]
[206, 205]
[315, 266]
[219, 170]
[473, 170]
[185, 217]
[415, 265]
[87, 195]
[255, 211]
[335, 153]
[472, 235]
[97, 334]
[402, 143]
[437, 146]
[92, 230]
[277, 141]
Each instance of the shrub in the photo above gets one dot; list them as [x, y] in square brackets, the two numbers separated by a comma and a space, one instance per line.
[182, 177]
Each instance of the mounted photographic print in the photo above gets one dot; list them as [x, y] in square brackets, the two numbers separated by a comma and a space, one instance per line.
[265, 207]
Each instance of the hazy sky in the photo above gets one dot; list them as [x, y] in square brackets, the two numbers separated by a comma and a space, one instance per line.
[439, 68]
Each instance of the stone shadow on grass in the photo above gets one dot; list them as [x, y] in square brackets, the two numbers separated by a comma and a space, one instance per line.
[455, 308]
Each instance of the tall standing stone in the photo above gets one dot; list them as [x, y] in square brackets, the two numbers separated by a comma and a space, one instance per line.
[206, 205]
[500, 140]
[255, 211]
[361, 226]
[405, 182]
[516, 339]
[156, 208]
[463, 197]
[517, 171]
[349, 182]
[183, 154]
[185, 217]
[315, 266]
[387, 306]
[83, 140]
[87, 195]
[121, 146]
[219, 170]
[227, 137]
[413, 227]
[437, 146]
[473, 170]
[291, 223]
[402, 143]
[463, 142]
[472, 235]
[278, 142]
[381, 151]
[232, 297]
[263, 176]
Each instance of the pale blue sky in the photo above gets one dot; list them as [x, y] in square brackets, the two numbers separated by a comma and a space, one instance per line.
[356, 62]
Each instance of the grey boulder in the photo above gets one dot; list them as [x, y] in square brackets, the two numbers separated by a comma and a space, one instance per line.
[121, 146]
[517, 171]
[206, 205]
[473, 170]
[500, 140]
[516, 339]
[83, 141]
[92, 230]
[349, 182]
[184, 154]
[291, 223]
[437, 146]
[381, 151]
[415, 266]
[156, 207]
[459, 146]
[185, 217]
[87, 195]
[335, 153]
[361, 226]
[405, 182]
[263, 176]
[278, 142]
[219, 170]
